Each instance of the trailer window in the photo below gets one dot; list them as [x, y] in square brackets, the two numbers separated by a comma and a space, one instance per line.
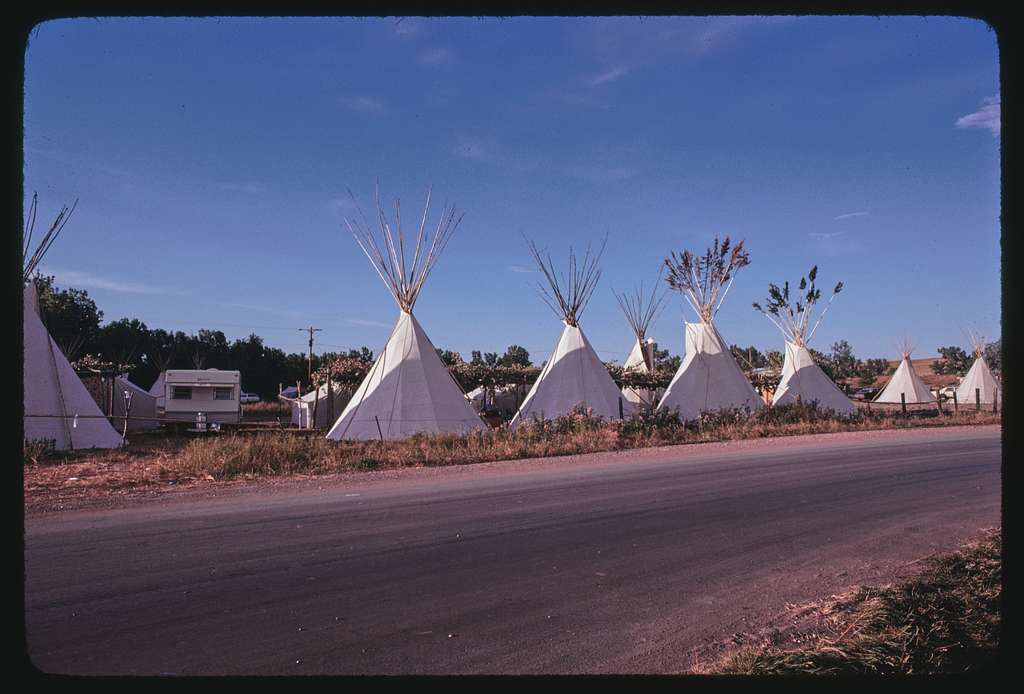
[181, 393]
[222, 393]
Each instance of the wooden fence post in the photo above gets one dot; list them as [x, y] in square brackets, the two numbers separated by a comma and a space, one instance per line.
[620, 407]
[995, 401]
[956, 404]
[903, 402]
[316, 406]
[977, 399]
[330, 399]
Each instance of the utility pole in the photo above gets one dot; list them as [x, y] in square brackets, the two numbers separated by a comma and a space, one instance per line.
[310, 330]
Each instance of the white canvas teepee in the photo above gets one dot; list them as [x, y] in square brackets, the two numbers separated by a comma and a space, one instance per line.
[158, 391]
[141, 409]
[802, 379]
[574, 374]
[57, 405]
[708, 378]
[979, 379]
[640, 311]
[905, 385]
[408, 390]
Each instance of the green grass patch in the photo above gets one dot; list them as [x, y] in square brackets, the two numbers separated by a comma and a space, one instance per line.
[944, 621]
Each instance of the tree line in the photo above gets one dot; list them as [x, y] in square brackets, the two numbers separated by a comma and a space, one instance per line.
[128, 344]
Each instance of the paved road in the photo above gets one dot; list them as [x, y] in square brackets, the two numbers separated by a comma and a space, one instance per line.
[617, 567]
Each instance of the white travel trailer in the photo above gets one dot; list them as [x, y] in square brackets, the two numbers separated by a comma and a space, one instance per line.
[213, 392]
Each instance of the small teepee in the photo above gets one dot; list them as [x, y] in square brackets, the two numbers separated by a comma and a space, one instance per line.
[139, 405]
[905, 382]
[802, 379]
[408, 389]
[708, 378]
[640, 311]
[573, 374]
[312, 410]
[58, 407]
[979, 379]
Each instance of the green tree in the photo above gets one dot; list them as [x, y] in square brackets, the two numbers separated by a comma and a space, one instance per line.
[994, 355]
[71, 317]
[748, 357]
[515, 356]
[844, 364]
[871, 369]
[449, 357]
[954, 361]
[363, 353]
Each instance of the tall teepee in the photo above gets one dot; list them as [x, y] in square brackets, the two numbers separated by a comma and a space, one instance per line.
[802, 379]
[979, 379]
[408, 389]
[573, 374]
[58, 407]
[709, 377]
[640, 311]
[905, 382]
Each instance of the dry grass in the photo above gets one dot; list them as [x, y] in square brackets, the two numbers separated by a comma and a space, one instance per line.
[160, 459]
[944, 621]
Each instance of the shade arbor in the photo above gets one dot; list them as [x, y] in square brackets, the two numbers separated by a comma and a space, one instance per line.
[574, 374]
[708, 377]
[802, 379]
[57, 405]
[408, 390]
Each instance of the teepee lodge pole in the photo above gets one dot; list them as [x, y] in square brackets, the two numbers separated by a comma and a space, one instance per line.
[573, 373]
[58, 406]
[703, 279]
[419, 394]
[791, 314]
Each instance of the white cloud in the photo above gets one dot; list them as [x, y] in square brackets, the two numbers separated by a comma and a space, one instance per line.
[342, 203]
[490, 152]
[436, 56]
[985, 117]
[852, 215]
[608, 76]
[79, 280]
[364, 104]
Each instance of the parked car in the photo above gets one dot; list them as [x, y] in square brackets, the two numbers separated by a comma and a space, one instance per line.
[947, 392]
[865, 393]
[246, 398]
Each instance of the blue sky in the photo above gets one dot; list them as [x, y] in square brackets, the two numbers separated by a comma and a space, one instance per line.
[211, 160]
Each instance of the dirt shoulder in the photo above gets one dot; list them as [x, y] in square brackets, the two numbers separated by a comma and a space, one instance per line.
[103, 485]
